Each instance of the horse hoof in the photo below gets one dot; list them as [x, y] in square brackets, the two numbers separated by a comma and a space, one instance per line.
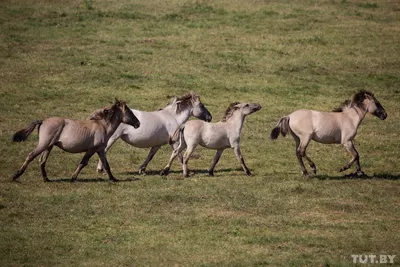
[211, 173]
[164, 172]
[142, 171]
[100, 170]
[114, 180]
[46, 180]
[360, 174]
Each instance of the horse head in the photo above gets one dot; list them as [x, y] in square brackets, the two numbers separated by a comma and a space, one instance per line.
[244, 108]
[375, 108]
[371, 104]
[192, 101]
[127, 115]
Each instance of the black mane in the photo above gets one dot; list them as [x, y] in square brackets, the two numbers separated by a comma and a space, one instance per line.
[357, 100]
[229, 111]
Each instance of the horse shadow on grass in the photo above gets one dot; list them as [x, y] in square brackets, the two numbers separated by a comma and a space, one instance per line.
[191, 171]
[377, 176]
[92, 180]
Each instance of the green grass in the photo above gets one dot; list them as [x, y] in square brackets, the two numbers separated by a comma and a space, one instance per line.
[70, 58]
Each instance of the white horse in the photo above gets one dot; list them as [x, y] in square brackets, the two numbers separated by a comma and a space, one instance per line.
[338, 127]
[158, 125]
[218, 136]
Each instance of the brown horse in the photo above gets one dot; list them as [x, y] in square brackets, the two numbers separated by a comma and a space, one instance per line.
[90, 136]
[337, 127]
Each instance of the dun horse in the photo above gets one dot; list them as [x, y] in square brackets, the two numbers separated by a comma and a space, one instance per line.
[218, 136]
[88, 136]
[337, 127]
[159, 125]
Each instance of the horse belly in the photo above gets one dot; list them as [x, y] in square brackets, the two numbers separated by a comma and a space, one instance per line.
[146, 138]
[327, 136]
[215, 142]
[75, 146]
[76, 141]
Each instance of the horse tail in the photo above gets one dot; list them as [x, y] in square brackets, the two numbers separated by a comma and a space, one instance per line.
[23, 134]
[282, 127]
[177, 135]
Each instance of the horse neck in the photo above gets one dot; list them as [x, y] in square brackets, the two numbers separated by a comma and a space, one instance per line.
[235, 123]
[356, 115]
[112, 125]
[180, 117]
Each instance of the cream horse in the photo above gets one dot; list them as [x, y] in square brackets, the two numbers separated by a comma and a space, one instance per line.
[218, 136]
[88, 136]
[159, 125]
[337, 127]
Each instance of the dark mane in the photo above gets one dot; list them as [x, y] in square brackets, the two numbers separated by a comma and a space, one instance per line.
[186, 101]
[106, 113]
[345, 105]
[229, 111]
[357, 100]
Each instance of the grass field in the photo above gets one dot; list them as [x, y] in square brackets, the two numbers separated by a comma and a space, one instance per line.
[68, 58]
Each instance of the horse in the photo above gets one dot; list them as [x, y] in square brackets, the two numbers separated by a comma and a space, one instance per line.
[336, 127]
[159, 125]
[76, 136]
[218, 136]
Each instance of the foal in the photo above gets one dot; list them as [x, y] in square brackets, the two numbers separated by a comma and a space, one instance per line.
[218, 136]
[88, 136]
[337, 127]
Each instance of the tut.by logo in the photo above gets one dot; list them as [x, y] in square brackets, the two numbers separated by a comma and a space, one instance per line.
[383, 259]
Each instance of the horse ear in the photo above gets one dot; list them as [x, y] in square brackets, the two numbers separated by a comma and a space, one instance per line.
[367, 96]
[173, 99]
[117, 102]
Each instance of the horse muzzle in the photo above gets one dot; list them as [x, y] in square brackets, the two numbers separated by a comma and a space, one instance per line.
[136, 125]
[381, 115]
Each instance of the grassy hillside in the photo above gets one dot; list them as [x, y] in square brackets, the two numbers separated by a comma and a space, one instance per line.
[69, 58]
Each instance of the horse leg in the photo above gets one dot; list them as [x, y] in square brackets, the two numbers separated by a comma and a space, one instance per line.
[83, 163]
[150, 156]
[311, 163]
[102, 156]
[43, 159]
[215, 161]
[31, 156]
[180, 157]
[356, 158]
[186, 157]
[241, 160]
[175, 153]
[301, 146]
[110, 142]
